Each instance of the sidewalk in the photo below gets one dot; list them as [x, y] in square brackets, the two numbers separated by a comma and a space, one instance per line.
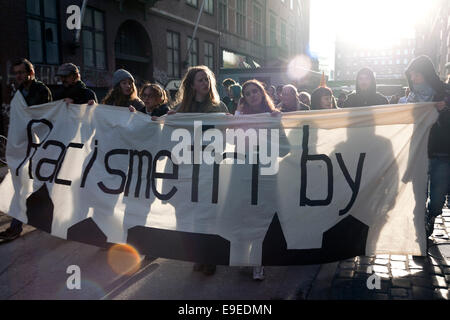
[402, 277]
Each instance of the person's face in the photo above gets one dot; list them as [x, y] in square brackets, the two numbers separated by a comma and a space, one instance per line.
[325, 102]
[288, 97]
[21, 74]
[417, 78]
[149, 98]
[364, 82]
[201, 84]
[68, 80]
[253, 95]
[126, 86]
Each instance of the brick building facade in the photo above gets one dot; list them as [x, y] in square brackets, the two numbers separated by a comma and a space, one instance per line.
[149, 38]
[388, 62]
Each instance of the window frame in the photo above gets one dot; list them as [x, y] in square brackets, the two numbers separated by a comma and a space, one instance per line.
[193, 52]
[43, 20]
[93, 30]
[241, 18]
[174, 74]
[207, 57]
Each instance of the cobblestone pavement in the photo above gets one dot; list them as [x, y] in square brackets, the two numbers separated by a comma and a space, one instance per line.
[401, 277]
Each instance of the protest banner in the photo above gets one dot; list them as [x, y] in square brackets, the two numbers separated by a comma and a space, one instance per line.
[303, 188]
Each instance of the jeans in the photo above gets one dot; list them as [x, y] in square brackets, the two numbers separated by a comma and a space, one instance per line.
[439, 184]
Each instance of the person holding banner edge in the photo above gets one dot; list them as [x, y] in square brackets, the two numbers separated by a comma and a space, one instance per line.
[34, 93]
[425, 86]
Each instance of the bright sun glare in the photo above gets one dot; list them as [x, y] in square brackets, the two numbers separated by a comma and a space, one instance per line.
[373, 24]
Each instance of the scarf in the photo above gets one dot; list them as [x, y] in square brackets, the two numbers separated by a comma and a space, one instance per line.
[421, 93]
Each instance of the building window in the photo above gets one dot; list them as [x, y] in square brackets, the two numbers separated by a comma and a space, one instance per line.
[283, 35]
[240, 17]
[93, 39]
[193, 53]
[257, 24]
[209, 55]
[292, 41]
[42, 21]
[223, 14]
[209, 6]
[273, 31]
[192, 2]
[173, 54]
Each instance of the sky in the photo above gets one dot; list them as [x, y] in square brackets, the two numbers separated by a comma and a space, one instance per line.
[372, 22]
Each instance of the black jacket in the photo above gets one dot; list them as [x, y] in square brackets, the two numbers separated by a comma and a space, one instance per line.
[160, 111]
[38, 93]
[367, 98]
[79, 93]
[439, 138]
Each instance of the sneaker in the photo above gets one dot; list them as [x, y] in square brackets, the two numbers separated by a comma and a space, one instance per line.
[209, 269]
[258, 273]
[10, 234]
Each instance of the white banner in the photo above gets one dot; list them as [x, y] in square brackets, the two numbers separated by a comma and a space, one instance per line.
[318, 186]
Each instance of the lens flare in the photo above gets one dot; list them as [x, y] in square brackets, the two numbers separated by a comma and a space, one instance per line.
[299, 67]
[124, 259]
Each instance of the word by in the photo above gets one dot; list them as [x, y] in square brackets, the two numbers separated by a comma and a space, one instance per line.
[212, 153]
[74, 280]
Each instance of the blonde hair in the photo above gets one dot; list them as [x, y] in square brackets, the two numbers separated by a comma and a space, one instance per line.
[186, 94]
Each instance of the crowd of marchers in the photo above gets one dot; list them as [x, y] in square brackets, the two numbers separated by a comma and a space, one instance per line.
[198, 94]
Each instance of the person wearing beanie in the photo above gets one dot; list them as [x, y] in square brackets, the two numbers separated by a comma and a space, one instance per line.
[366, 91]
[322, 98]
[124, 92]
[425, 86]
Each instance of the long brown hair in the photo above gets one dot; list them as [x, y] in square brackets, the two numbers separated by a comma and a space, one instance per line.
[267, 103]
[115, 96]
[156, 90]
[186, 94]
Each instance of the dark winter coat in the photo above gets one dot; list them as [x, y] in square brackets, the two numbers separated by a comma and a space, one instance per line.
[79, 93]
[366, 98]
[38, 93]
[439, 139]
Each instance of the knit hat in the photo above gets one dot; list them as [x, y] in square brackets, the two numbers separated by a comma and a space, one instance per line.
[120, 75]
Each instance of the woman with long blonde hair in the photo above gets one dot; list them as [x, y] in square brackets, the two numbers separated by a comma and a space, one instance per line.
[198, 92]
